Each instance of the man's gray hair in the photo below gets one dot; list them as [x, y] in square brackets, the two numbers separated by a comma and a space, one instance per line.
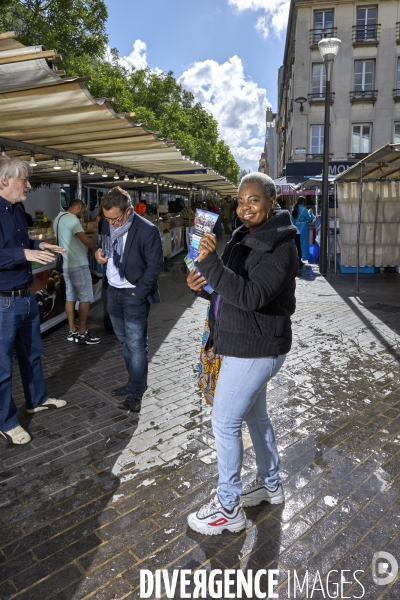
[263, 181]
[11, 168]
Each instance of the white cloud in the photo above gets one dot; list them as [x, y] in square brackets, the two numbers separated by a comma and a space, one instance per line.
[237, 103]
[275, 15]
[137, 58]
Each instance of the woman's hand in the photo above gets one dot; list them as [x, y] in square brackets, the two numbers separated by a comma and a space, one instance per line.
[196, 281]
[208, 245]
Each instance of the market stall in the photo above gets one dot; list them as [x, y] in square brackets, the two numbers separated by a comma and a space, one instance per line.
[48, 285]
[369, 210]
[70, 137]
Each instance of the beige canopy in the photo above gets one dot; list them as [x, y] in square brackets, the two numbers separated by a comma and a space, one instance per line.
[369, 209]
[56, 117]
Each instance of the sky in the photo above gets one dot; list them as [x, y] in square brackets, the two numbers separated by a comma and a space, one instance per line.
[226, 52]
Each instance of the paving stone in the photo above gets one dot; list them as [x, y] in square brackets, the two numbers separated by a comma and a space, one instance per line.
[98, 494]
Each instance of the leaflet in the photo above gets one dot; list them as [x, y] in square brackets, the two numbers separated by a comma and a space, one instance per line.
[203, 223]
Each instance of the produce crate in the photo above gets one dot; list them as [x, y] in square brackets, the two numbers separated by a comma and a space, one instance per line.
[344, 269]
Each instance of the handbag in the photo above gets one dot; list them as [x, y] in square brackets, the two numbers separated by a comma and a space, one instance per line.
[209, 365]
[60, 258]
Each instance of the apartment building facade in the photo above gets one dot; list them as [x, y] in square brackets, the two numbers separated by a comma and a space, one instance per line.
[365, 88]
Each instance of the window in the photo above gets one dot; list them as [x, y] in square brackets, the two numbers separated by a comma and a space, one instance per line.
[323, 24]
[361, 139]
[317, 139]
[318, 81]
[364, 71]
[398, 73]
[396, 139]
[366, 23]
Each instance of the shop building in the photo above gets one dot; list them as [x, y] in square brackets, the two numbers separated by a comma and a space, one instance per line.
[270, 147]
[365, 89]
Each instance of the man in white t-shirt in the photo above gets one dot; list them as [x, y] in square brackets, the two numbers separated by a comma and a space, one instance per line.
[77, 276]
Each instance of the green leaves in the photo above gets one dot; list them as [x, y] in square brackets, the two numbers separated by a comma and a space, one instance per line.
[76, 29]
[68, 26]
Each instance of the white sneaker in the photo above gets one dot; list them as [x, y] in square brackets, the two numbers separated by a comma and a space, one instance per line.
[213, 518]
[50, 403]
[17, 435]
[257, 492]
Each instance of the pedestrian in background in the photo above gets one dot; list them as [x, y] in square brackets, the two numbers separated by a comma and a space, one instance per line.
[135, 262]
[249, 320]
[19, 314]
[301, 217]
[227, 214]
[77, 276]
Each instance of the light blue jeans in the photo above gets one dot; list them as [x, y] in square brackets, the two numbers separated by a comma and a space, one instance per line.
[240, 396]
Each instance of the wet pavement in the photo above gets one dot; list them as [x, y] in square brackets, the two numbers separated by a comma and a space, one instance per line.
[99, 495]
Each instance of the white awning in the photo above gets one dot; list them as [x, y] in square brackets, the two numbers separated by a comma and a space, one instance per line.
[41, 109]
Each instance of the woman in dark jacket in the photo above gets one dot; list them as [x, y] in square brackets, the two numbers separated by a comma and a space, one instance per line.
[254, 297]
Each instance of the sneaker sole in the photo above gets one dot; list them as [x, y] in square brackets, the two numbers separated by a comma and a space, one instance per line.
[71, 339]
[9, 439]
[234, 528]
[256, 501]
[32, 411]
[85, 343]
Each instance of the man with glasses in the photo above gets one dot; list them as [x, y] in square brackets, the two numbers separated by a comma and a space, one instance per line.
[19, 313]
[77, 276]
[134, 259]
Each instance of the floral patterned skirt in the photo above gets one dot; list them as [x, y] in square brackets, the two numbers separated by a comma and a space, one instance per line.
[209, 366]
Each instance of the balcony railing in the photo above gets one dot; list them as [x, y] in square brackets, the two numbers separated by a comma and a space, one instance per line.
[364, 35]
[396, 95]
[316, 35]
[398, 33]
[316, 157]
[319, 97]
[357, 155]
[363, 96]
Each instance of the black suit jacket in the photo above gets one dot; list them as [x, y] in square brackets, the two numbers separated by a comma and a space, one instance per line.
[143, 258]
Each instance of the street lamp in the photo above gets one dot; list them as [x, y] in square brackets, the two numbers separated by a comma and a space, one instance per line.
[301, 101]
[329, 48]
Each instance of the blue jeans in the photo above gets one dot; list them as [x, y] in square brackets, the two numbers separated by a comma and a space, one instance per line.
[20, 327]
[240, 396]
[129, 317]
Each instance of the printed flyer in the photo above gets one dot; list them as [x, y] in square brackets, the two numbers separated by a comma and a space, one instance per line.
[203, 223]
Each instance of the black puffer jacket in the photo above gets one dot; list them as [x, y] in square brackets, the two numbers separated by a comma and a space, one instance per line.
[257, 289]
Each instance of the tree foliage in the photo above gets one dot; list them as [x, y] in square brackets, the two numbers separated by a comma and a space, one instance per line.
[75, 28]
[69, 26]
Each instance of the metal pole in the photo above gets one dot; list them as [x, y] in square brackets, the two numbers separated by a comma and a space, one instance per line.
[190, 204]
[158, 203]
[360, 198]
[79, 176]
[335, 200]
[325, 175]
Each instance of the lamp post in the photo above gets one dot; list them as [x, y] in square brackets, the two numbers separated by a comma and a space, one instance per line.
[329, 48]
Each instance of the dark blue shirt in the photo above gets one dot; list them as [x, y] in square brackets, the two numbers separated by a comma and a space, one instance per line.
[15, 270]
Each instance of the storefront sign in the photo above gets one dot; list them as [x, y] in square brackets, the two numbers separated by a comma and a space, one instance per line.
[311, 169]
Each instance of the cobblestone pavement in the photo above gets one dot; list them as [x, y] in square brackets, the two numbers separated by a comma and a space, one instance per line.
[99, 495]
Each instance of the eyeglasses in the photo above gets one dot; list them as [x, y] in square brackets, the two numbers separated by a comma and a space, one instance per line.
[116, 219]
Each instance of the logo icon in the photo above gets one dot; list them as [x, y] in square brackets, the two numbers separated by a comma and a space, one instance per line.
[384, 568]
